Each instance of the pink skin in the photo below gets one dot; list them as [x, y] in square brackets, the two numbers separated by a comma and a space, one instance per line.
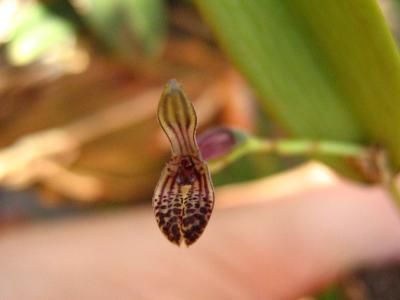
[281, 249]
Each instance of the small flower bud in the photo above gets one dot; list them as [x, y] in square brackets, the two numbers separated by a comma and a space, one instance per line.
[219, 141]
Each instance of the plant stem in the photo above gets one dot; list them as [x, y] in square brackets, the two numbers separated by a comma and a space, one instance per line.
[394, 191]
[387, 176]
[373, 158]
[288, 147]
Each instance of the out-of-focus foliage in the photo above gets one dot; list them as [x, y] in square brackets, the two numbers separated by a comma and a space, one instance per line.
[298, 69]
[37, 32]
[39, 39]
[130, 29]
[325, 70]
[127, 27]
[77, 123]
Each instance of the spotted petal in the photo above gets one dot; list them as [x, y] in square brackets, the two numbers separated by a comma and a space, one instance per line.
[184, 196]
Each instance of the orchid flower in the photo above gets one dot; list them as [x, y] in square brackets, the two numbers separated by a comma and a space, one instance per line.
[184, 197]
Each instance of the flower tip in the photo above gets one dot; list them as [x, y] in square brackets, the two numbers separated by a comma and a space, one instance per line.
[172, 86]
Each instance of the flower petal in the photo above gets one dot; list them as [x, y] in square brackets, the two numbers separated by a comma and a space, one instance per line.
[178, 119]
[183, 208]
[184, 197]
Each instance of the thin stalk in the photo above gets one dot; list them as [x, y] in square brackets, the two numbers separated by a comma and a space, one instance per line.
[298, 147]
[394, 191]
[288, 147]
[387, 176]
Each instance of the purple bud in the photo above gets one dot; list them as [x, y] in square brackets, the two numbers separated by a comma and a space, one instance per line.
[218, 141]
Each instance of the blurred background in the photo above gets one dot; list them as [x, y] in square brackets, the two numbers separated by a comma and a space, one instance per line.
[80, 82]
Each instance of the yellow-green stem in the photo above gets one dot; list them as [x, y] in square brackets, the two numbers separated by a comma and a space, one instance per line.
[288, 147]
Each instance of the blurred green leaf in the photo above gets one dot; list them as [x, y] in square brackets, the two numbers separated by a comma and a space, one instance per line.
[248, 168]
[30, 15]
[128, 27]
[36, 36]
[326, 69]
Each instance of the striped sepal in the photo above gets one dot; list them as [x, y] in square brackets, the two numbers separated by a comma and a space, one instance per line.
[178, 119]
[184, 196]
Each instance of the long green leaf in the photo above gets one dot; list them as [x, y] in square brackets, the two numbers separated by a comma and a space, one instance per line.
[326, 69]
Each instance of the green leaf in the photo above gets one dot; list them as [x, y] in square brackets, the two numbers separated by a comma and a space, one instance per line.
[32, 42]
[30, 15]
[128, 27]
[326, 69]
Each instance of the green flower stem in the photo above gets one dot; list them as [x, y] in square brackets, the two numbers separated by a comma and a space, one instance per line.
[288, 147]
[387, 176]
[394, 191]
[298, 147]
[304, 147]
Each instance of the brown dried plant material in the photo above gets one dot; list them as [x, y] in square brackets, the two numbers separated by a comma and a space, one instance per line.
[184, 196]
[106, 139]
